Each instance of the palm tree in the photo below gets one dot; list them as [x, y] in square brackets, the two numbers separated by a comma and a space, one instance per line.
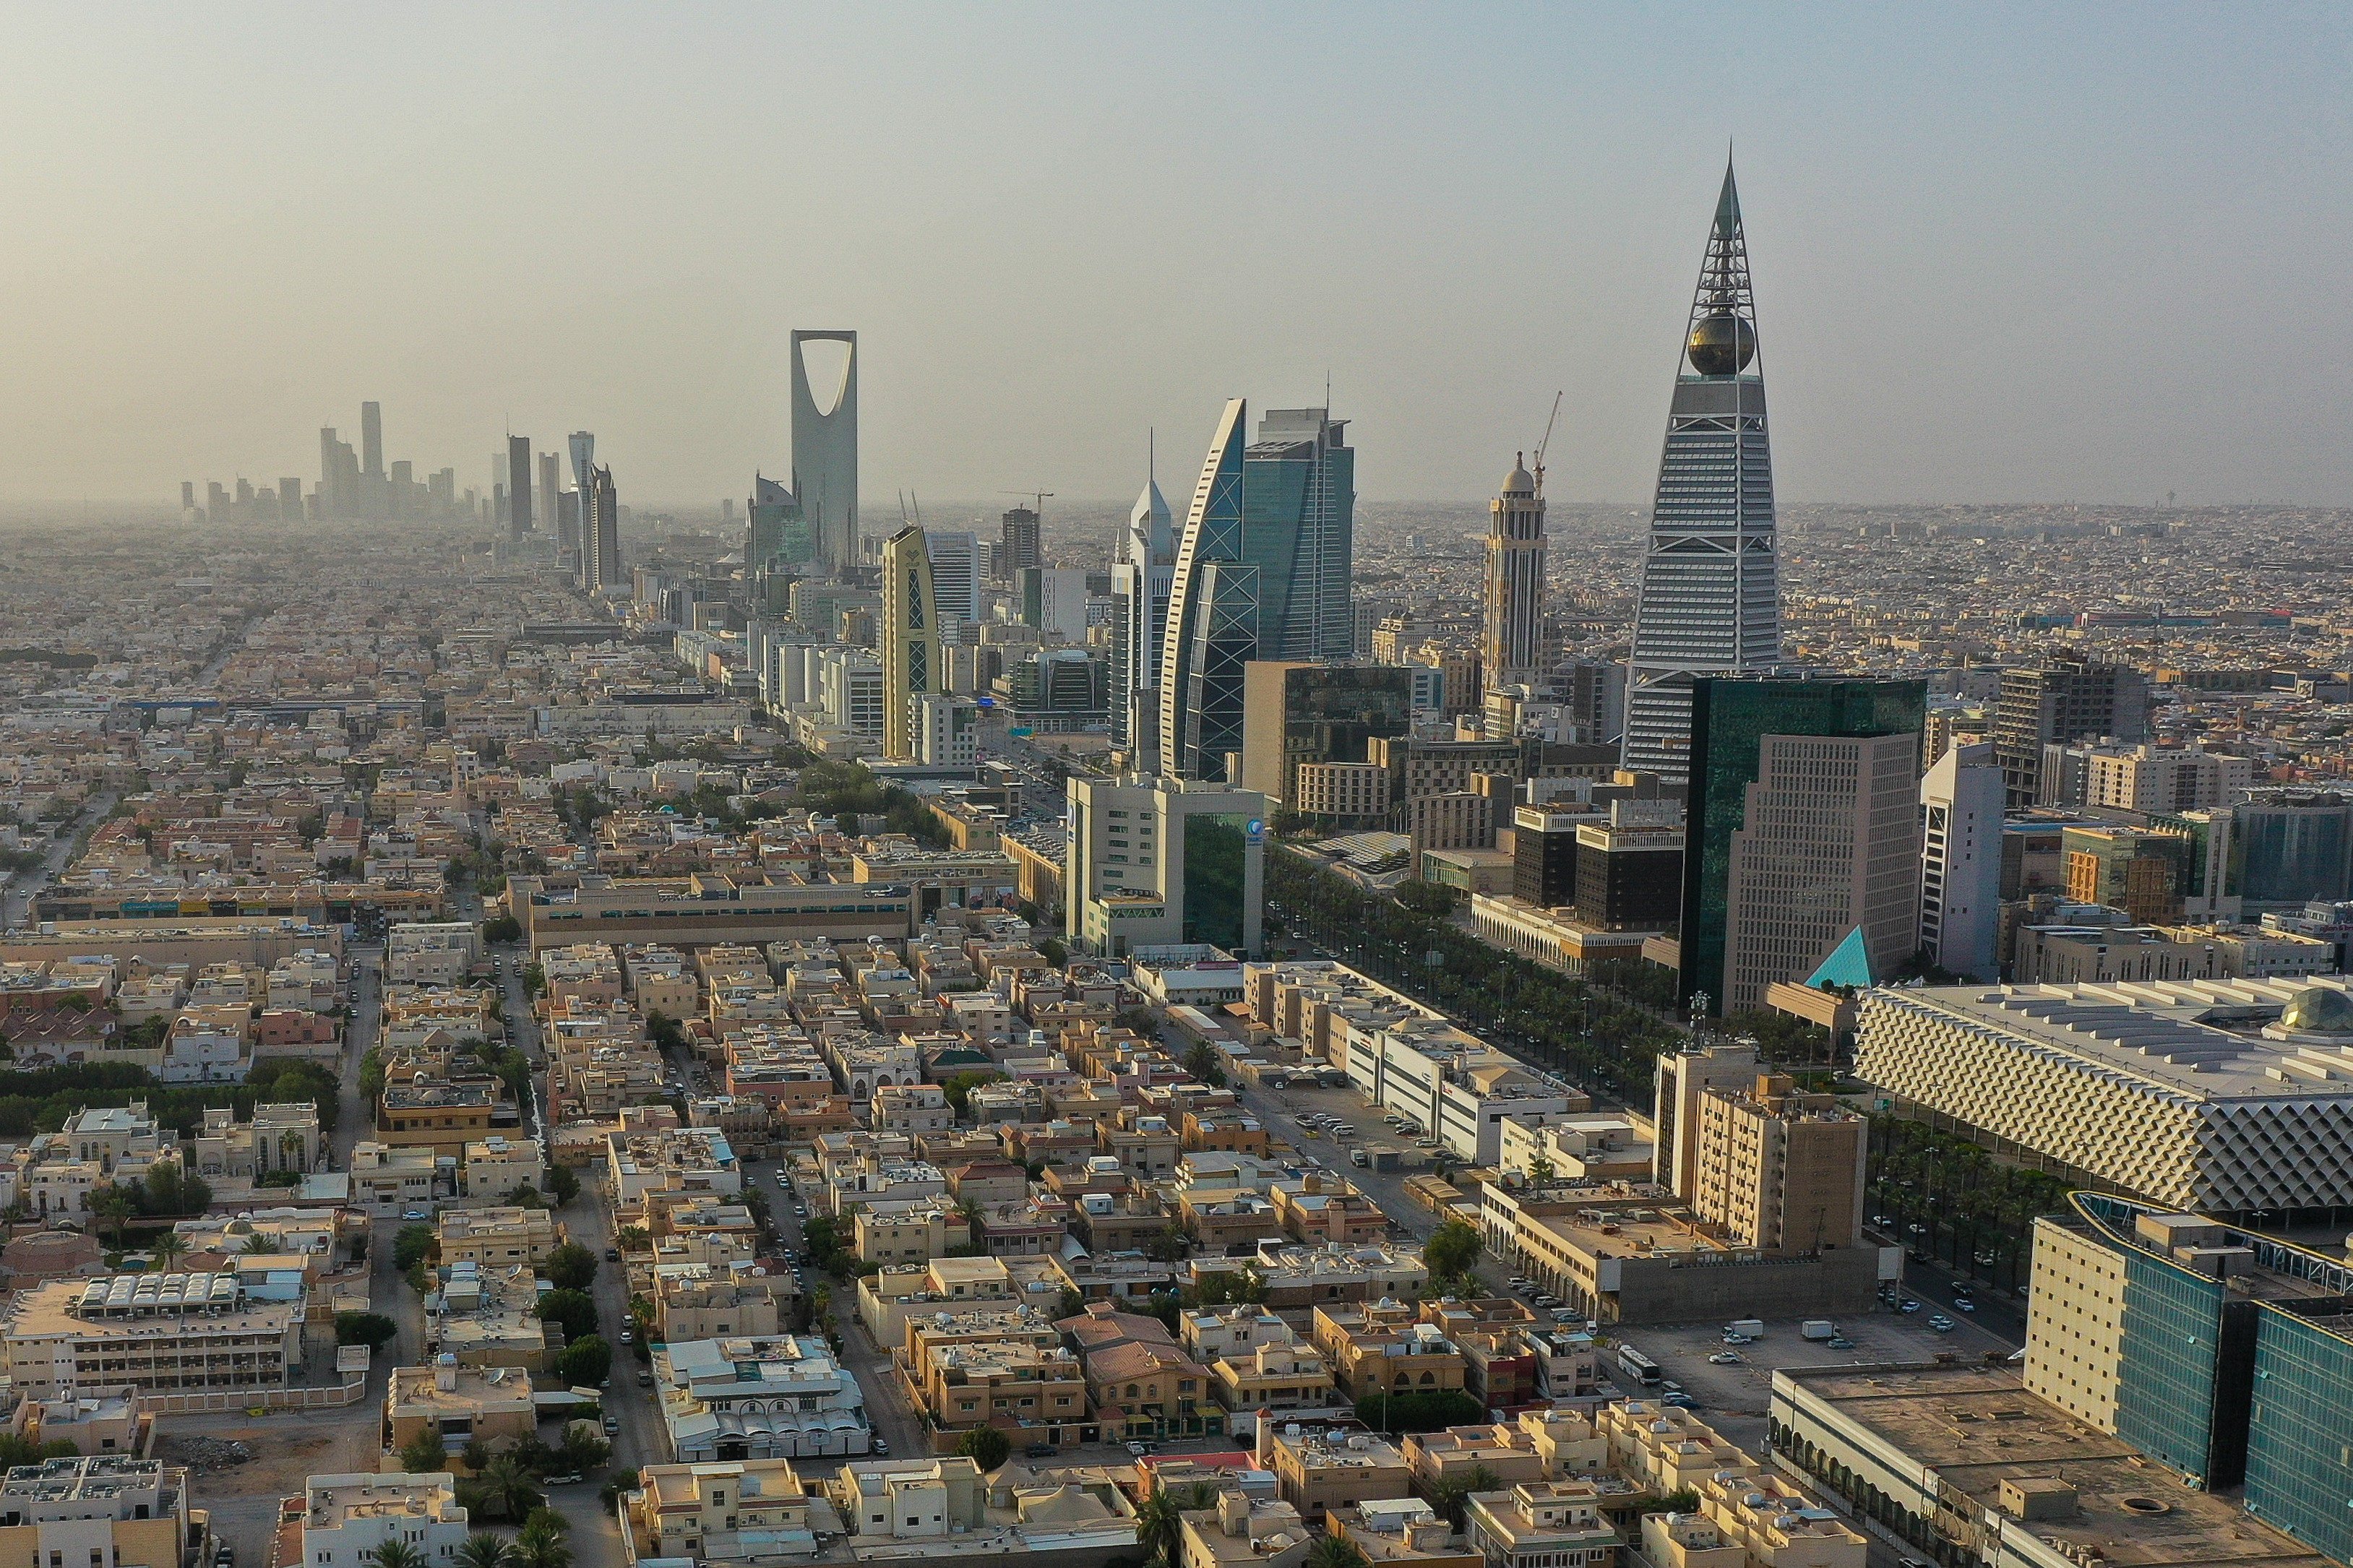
[1335, 1551]
[485, 1548]
[396, 1554]
[507, 1488]
[541, 1546]
[1158, 1531]
[168, 1247]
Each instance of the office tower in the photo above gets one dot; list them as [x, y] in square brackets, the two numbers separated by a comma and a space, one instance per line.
[779, 535]
[1593, 692]
[290, 500]
[955, 577]
[1298, 527]
[518, 486]
[403, 491]
[825, 454]
[551, 487]
[1018, 547]
[1960, 862]
[1056, 691]
[1151, 862]
[1804, 829]
[2143, 871]
[2061, 702]
[329, 471]
[1053, 599]
[1709, 602]
[600, 552]
[1296, 715]
[188, 496]
[442, 491]
[910, 640]
[1512, 650]
[215, 502]
[1212, 630]
[1630, 865]
[2220, 1353]
[372, 445]
[1143, 564]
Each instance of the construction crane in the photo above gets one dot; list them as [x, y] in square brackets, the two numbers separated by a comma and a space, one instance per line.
[1549, 420]
[1041, 497]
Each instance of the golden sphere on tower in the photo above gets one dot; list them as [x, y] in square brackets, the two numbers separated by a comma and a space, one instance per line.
[1722, 344]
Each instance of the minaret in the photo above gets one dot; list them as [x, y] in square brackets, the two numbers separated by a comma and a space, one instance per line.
[1709, 602]
[1511, 653]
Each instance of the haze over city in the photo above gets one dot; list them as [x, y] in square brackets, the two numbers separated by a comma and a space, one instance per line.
[1097, 787]
[2011, 253]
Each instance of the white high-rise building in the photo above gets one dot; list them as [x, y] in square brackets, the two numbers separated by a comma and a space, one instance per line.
[1960, 861]
[1710, 602]
[955, 578]
[1142, 568]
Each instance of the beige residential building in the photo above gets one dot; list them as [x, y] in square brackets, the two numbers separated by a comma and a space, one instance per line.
[2146, 778]
[1402, 1533]
[1778, 1170]
[346, 1519]
[111, 1510]
[460, 1404]
[709, 1301]
[161, 1333]
[498, 1237]
[495, 1166]
[1829, 842]
[1241, 1530]
[1277, 1377]
[388, 1181]
[718, 1511]
[1315, 1473]
[1541, 1524]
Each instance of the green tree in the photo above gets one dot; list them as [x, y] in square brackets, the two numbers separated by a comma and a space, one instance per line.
[541, 1546]
[616, 1485]
[1205, 1064]
[369, 1329]
[986, 1447]
[1425, 897]
[1166, 1245]
[585, 1362]
[422, 1455]
[570, 1267]
[959, 1088]
[1450, 1250]
[575, 1310]
[396, 1554]
[485, 1548]
[526, 1196]
[502, 928]
[168, 1247]
[663, 1030]
[1335, 1551]
[506, 1488]
[411, 1245]
[1159, 1532]
[563, 1184]
[585, 1447]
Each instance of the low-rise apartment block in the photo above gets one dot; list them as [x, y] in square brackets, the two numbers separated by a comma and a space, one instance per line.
[346, 1519]
[460, 1404]
[160, 1333]
[498, 1237]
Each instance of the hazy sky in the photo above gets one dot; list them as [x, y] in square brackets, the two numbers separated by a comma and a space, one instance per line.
[2039, 253]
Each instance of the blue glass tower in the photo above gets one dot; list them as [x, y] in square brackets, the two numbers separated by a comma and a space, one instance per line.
[1212, 631]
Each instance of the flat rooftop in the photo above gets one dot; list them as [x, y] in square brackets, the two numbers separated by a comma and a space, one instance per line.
[1977, 1426]
[2197, 1038]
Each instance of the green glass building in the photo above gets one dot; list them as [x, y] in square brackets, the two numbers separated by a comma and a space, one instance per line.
[1730, 718]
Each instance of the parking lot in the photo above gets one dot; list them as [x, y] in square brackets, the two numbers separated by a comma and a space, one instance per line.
[1745, 1387]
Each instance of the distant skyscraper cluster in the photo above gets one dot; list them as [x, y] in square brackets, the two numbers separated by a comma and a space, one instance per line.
[353, 485]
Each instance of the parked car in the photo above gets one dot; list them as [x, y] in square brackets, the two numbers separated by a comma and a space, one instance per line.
[1724, 1358]
[1910, 1305]
[1680, 1401]
[612, 1426]
[1941, 1323]
[1840, 1343]
[612, 1254]
[645, 1378]
[1039, 1451]
[1964, 1304]
[414, 1216]
[882, 1444]
[569, 1478]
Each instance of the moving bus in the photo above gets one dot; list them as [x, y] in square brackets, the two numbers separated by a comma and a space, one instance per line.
[1638, 1366]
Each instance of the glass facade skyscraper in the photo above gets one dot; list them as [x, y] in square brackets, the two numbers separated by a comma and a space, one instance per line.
[1710, 599]
[1730, 719]
[1213, 618]
[1299, 529]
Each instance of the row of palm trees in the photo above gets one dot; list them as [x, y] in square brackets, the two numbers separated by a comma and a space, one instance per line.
[1587, 1031]
[1945, 1197]
[539, 1544]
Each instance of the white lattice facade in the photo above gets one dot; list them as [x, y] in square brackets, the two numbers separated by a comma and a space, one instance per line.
[2170, 1091]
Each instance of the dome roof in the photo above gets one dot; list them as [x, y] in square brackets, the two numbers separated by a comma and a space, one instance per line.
[1519, 482]
[2319, 1010]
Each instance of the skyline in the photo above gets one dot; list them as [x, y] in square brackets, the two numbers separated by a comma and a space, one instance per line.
[1966, 214]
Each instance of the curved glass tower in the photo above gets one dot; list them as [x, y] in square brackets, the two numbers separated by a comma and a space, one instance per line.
[1710, 604]
[1212, 625]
